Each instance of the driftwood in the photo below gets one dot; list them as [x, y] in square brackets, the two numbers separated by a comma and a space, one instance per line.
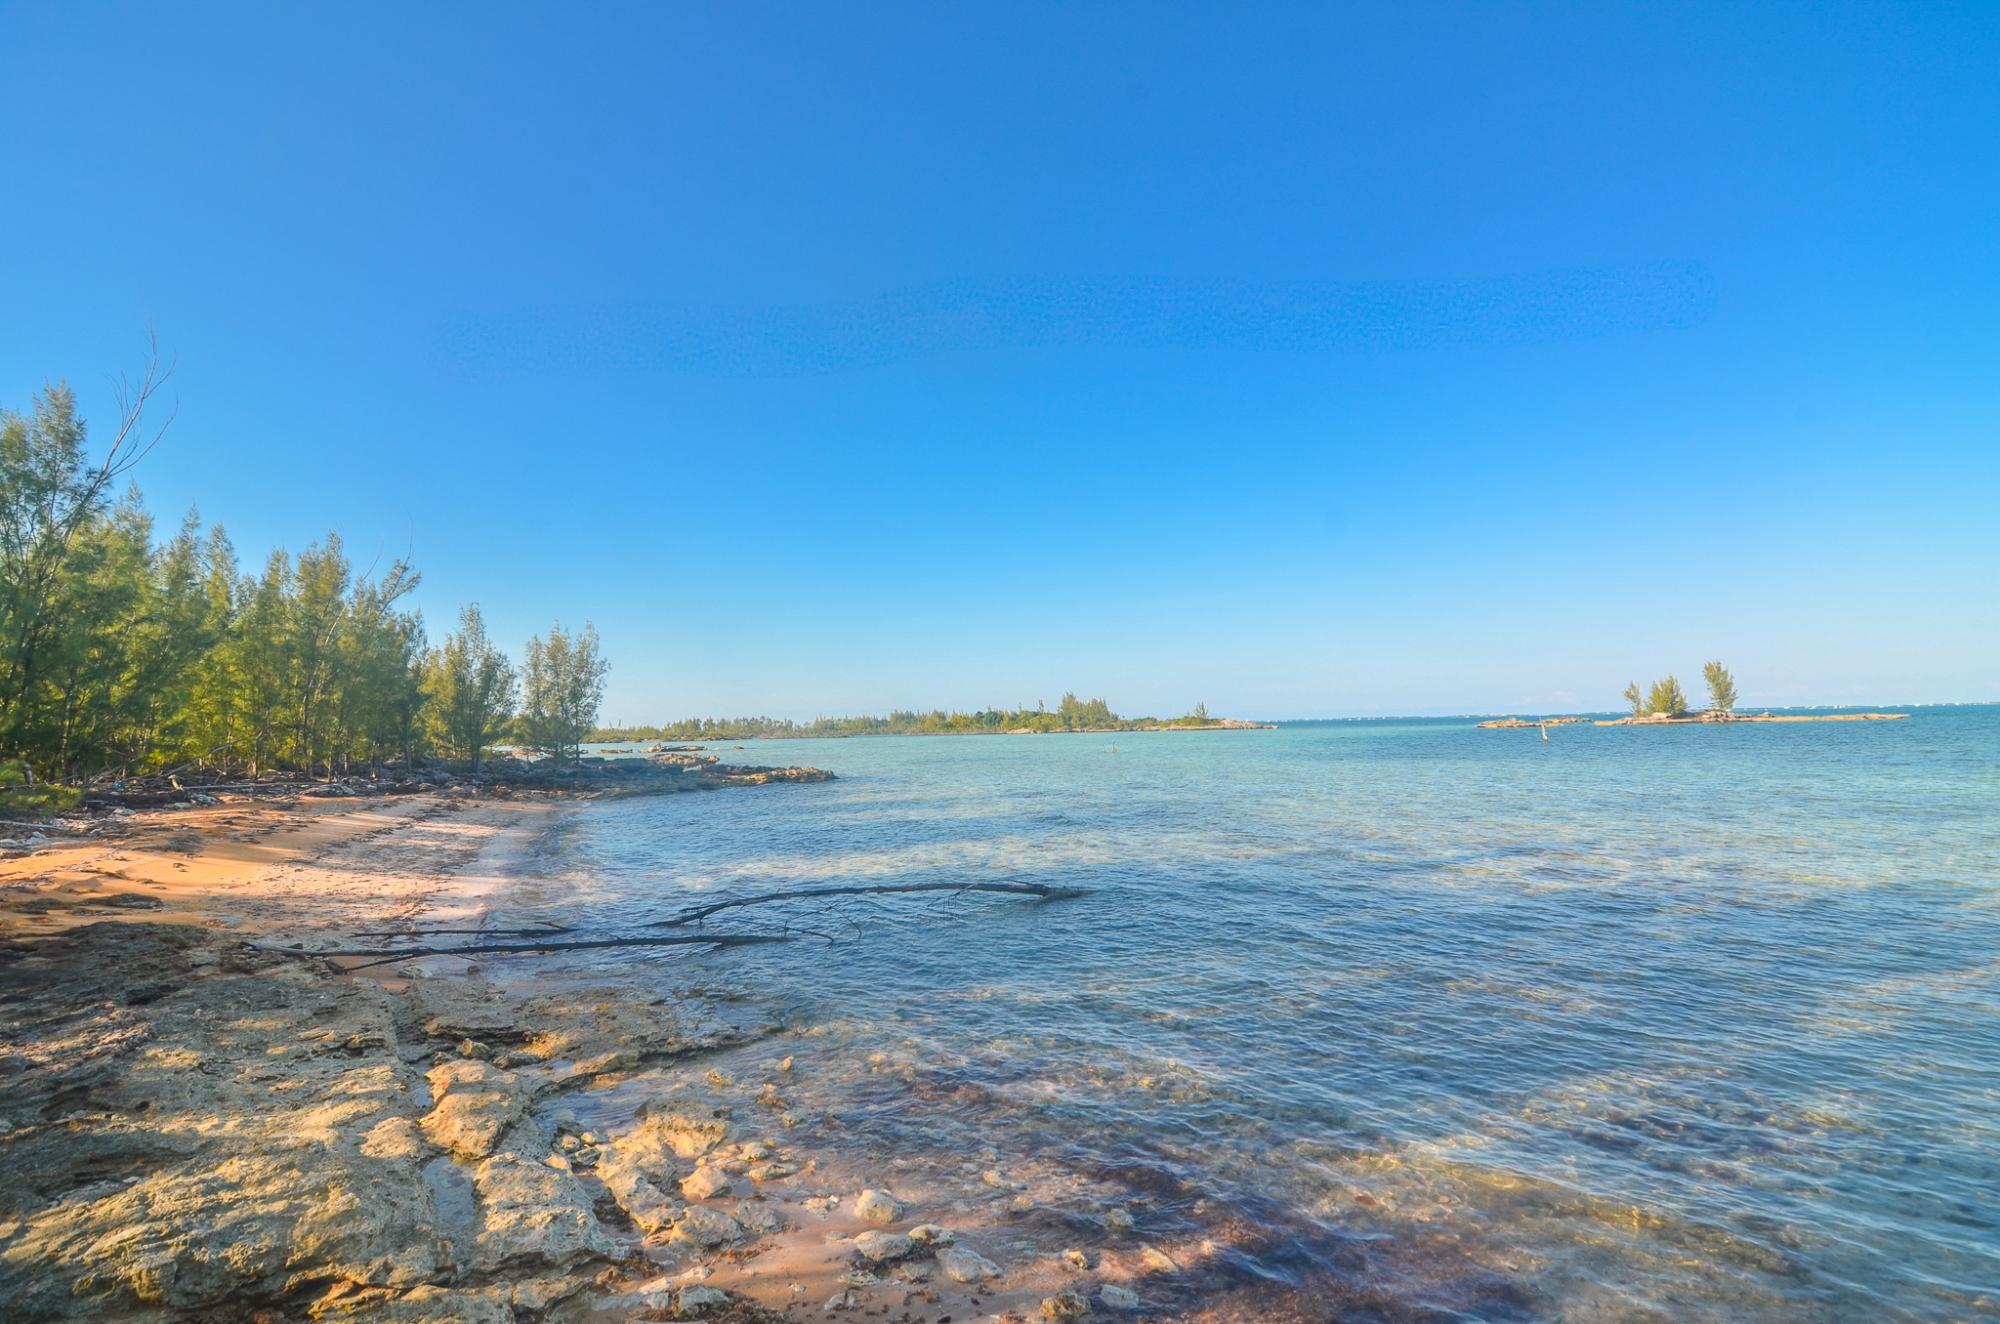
[694, 915]
[539, 929]
[568, 945]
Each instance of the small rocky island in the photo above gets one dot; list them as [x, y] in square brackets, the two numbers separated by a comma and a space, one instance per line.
[1665, 704]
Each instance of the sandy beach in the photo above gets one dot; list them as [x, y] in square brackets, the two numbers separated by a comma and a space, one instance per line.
[198, 1127]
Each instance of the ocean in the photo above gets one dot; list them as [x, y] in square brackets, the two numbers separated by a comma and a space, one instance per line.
[1410, 1019]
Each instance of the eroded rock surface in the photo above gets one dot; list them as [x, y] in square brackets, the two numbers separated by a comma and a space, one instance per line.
[191, 1127]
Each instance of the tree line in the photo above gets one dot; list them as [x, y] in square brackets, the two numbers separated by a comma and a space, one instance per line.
[123, 653]
[1666, 698]
[1071, 714]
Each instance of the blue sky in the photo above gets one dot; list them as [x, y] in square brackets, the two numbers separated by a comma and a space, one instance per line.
[1303, 361]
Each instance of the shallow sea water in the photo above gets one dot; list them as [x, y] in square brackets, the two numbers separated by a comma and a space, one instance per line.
[1417, 1020]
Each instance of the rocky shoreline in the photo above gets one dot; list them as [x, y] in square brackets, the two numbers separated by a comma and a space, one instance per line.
[200, 1127]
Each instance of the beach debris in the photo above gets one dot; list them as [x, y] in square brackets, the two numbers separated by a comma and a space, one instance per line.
[695, 914]
[878, 1206]
[539, 941]
[385, 955]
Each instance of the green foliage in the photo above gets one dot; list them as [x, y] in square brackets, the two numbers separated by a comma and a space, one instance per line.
[21, 796]
[470, 688]
[119, 653]
[1667, 698]
[1072, 714]
[564, 689]
[1721, 688]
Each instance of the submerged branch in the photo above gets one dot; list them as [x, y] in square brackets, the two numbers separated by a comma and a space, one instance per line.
[540, 929]
[1040, 891]
[568, 945]
[555, 943]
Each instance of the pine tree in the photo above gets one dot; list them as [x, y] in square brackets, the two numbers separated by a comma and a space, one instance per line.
[1721, 689]
[564, 689]
[469, 688]
[1667, 698]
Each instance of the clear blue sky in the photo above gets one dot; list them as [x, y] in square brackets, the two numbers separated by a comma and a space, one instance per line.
[1305, 361]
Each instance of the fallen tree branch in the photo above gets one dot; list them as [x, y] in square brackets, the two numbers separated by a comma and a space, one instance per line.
[1040, 891]
[570, 945]
[541, 929]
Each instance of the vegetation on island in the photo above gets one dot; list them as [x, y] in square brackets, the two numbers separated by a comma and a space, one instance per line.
[1666, 698]
[122, 653]
[1721, 688]
[1072, 714]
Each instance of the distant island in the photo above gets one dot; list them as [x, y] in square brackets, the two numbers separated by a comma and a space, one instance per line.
[1072, 715]
[1665, 704]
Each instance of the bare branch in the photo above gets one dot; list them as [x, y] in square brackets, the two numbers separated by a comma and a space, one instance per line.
[571, 945]
[1039, 891]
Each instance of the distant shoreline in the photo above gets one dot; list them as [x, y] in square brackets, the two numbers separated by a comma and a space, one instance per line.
[1215, 724]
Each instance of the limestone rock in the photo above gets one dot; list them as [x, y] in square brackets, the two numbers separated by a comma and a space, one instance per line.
[707, 1228]
[1158, 1260]
[877, 1206]
[685, 1127]
[426, 1304]
[759, 1216]
[535, 1213]
[705, 1183]
[1065, 1305]
[964, 1265]
[879, 1247]
[1118, 1298]
[698, 1300]
[474, 1104]
[644, 1203]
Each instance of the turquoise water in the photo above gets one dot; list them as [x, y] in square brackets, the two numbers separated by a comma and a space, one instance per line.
[1424, 1021]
